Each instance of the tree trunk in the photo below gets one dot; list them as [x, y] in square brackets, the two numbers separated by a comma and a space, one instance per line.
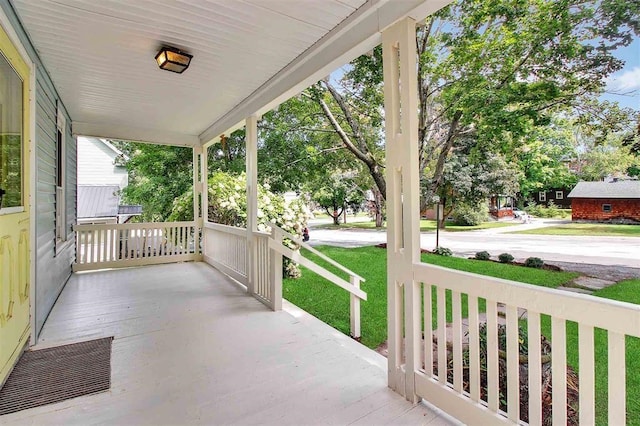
[336, 217]
[378, 206]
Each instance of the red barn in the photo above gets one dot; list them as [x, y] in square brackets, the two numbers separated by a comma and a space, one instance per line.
[617, 201]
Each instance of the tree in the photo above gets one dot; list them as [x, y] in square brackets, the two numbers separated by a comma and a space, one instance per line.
[490, 70]
[611, 158]
[157, 176]
[470, 177]
[336, 192]
[545, 157]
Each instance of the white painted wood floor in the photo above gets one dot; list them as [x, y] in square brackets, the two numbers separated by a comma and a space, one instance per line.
[191, 347]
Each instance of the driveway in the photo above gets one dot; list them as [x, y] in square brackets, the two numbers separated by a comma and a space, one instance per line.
[613, 251]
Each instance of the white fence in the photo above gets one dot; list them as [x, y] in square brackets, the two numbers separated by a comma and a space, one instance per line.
[463, 378]
[226, 248]
[135, 244]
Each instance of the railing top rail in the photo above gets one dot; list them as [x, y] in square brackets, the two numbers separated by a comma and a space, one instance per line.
[324, 257]
[603, 313]
[297, 257]
[226, 228]
[142, 225]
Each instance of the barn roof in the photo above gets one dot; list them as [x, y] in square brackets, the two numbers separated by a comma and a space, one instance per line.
[619, 189]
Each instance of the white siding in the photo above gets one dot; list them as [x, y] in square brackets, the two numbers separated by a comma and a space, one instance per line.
[96, 164]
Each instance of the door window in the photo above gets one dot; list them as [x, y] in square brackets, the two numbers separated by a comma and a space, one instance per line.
[10, 136]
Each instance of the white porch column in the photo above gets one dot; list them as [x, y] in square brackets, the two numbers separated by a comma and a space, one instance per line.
[403, 203]
[197, 191]
[204, 185]
[252, 198]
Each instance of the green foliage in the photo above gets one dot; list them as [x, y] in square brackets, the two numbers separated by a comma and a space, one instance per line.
[470, 215]
[610, 158]
[534, 262]
[483, 255]
[334, 192]
[157, 176]
[551, 211]
[228, 206]
[11, 170]
[505, 258]
[442, 251]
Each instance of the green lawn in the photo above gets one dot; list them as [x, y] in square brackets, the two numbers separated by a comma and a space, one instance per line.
[425, 226]
[590, 229]
[331, 304]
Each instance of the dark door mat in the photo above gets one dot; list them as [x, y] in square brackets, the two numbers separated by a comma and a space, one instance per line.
[51, 375]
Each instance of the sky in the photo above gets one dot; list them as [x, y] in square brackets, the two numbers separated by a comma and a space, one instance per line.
[624, 85]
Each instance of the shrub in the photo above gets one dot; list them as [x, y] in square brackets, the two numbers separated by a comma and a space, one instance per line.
[534, 262]
[505, 258]
[469, 215]
[443, 251]
[483, 255]
[228, 206]
[551, 211]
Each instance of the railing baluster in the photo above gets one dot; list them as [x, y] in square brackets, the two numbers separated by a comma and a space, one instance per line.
[85, 244]
[513, 364]
[492, 356]
[474, 349]
[428, 329]
[559, 370]
[587, 375]
[617, 405]
[457, 341]
[99, 246]
[535, 368]
[442, 335]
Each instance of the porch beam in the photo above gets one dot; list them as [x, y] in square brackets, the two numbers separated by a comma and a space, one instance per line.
[403, 201]
[357, 34]
[252, 198]
[139, 134]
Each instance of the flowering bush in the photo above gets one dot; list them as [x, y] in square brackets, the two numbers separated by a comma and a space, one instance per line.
[228, 206]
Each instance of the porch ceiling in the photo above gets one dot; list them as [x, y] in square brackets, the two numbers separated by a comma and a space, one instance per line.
[248, 56]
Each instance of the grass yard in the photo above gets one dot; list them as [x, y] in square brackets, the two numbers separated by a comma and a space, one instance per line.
[331, 304]
[425, 226]
[589, 229]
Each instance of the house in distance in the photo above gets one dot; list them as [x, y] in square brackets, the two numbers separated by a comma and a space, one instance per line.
[615, 201]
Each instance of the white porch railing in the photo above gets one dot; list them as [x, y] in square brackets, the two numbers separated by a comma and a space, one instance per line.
[443, 292]
[135, 244]
[226, 248]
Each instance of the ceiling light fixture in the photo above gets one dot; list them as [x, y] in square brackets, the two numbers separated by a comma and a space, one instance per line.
[174, 60]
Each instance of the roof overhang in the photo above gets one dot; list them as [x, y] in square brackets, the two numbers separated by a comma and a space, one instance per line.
[249, 57]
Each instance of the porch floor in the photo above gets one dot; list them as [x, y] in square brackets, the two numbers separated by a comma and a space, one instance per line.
[191, 347]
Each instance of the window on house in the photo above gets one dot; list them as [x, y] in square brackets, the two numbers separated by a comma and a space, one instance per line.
[61, 227]
[559, 195]
[11, 148]
[542, 196]
[606, 208]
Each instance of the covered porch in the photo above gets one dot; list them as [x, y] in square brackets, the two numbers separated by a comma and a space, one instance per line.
[190, 347]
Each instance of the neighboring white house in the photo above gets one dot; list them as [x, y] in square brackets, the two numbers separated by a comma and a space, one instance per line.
[101, 178]
[100, 163]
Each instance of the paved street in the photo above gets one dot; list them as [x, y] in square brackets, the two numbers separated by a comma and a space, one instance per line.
[615, 251]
